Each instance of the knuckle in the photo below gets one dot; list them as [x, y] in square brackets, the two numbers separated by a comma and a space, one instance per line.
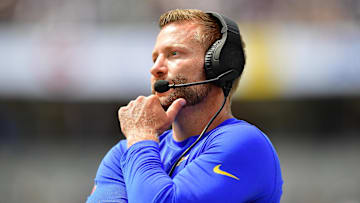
[152, 98]
[131, 104]
[140, 97]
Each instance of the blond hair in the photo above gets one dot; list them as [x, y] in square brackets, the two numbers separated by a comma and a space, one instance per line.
[210, 31]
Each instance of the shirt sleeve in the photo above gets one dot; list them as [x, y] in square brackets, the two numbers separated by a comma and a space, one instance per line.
[109, 181]
[238, 165]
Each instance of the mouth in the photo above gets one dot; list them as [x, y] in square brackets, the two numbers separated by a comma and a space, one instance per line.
[161, 94]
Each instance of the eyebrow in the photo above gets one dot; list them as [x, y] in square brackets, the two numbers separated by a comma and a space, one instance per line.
[170, 47]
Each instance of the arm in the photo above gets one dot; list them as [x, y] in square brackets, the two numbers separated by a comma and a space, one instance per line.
[245, 157]
[109, 181]
[136, 123]
[250, 160]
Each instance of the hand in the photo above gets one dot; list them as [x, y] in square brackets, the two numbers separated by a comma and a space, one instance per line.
[145, 118]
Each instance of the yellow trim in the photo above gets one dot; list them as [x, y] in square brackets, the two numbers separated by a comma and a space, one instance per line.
[221, 172]
[182, 159]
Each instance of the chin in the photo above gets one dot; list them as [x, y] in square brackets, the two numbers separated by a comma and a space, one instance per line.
[165, 104]
[165, 99]
[161, 95]
[164, 94]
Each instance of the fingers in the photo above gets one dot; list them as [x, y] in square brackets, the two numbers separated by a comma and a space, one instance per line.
[139, 99]
[151, 102]
[174, 108]
[131, 104]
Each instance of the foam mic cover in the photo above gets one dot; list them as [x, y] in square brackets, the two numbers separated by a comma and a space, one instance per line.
[161, 86]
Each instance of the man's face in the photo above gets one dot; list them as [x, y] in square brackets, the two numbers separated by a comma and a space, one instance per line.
[179, 58]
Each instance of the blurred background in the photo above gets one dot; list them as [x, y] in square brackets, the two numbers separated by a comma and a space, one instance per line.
[66, 66]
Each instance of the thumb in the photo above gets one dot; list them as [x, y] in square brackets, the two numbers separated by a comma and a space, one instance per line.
[174, 108]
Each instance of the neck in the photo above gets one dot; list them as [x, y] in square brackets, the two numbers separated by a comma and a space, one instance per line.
[191, 120]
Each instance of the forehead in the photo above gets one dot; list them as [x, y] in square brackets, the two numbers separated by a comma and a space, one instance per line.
[182, 33]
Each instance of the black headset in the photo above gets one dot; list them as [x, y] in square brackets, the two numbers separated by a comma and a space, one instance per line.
[225, 54]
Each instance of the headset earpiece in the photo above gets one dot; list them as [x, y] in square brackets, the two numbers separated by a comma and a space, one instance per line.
[210, 60]
[226, 53]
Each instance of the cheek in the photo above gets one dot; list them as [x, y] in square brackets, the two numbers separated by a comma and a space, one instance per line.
[195, 68]
[198, 70]
[192, 68]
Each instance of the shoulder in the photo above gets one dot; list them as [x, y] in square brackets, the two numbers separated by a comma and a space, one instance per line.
[117, 150]
[245, 149]
[115, 153]
[110, 165]
[238, 132]
[241, 140]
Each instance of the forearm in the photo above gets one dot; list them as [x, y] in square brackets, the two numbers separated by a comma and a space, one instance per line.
[243, 172]
[144, 175]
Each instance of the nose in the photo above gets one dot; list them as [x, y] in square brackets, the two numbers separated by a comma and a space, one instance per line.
[159, 69]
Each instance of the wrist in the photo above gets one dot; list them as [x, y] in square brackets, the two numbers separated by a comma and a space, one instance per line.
[133, 138]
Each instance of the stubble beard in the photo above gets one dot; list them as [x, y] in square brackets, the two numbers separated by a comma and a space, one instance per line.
[193, 94]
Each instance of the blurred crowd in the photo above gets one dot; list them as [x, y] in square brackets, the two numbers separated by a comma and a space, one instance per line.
[113, 11]
[64, 67]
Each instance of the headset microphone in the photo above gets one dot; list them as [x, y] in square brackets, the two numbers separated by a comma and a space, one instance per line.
[163, 85]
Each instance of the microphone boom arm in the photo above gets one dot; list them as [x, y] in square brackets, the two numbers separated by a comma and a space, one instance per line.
[201, 82]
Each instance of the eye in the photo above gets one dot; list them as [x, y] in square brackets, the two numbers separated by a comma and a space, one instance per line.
[154, 58]
[173, 53]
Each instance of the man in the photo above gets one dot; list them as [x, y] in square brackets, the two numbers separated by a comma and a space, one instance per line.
[233, 161]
